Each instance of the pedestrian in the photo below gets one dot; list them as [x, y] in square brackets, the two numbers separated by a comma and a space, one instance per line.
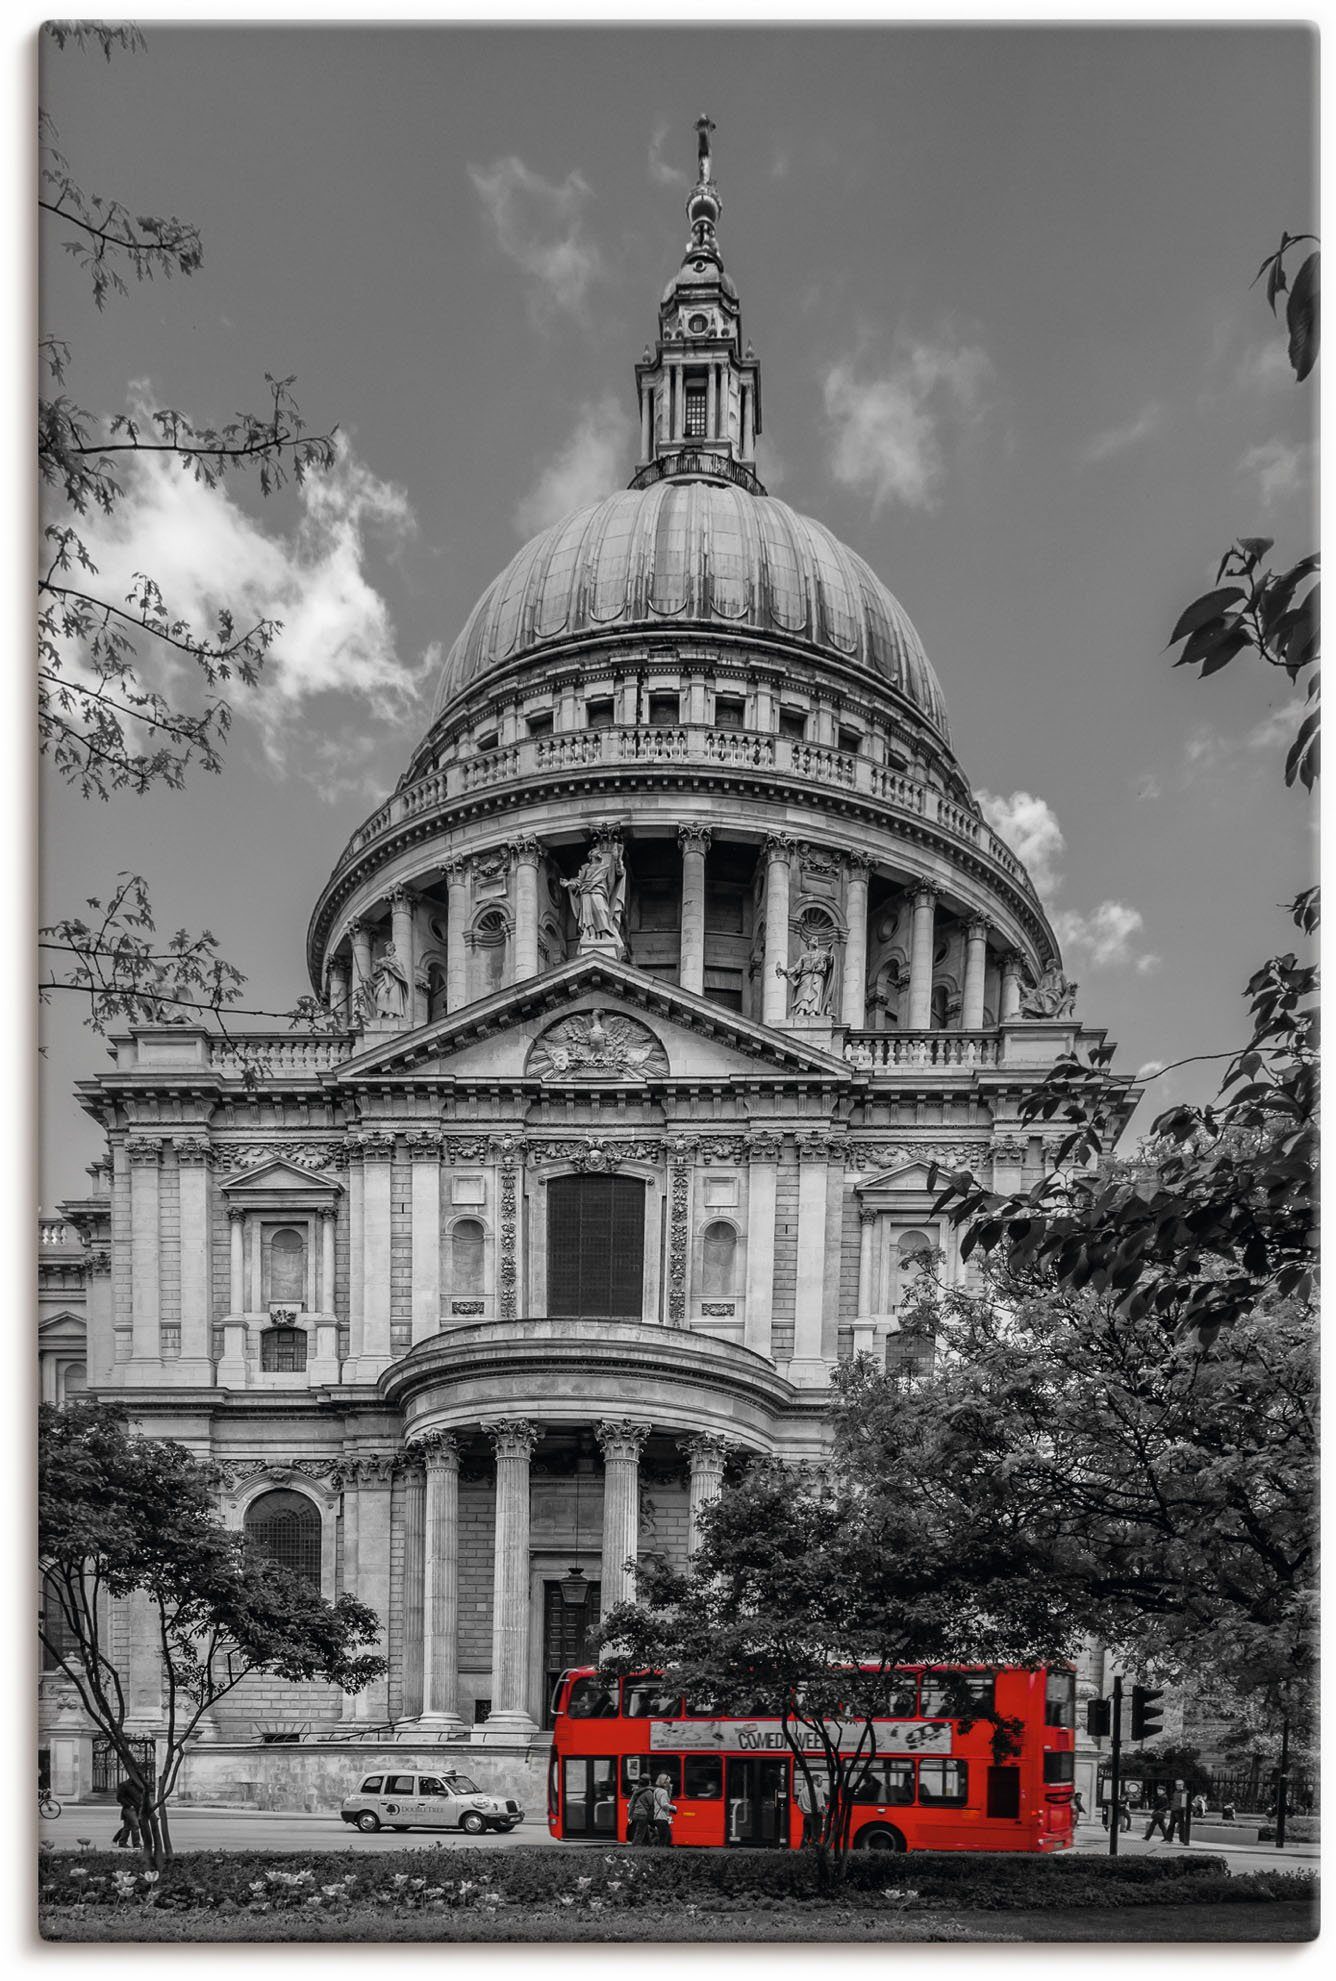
[1199, 1805]
[640, 1814]
[127, 1836]
[812, 1803]
[664, 1810]
[1078, 1805]
[1227, 1812]
[1159, 1814]
[1180, 1814]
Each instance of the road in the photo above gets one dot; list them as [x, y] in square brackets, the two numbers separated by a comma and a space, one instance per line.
[250, 1829]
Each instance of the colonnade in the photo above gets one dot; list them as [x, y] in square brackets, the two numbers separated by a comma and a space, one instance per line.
[431, 1538]
[521, 904]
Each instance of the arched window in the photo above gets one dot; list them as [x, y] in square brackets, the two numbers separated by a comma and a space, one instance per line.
[941, 997]
[287, 1266]
[490, 933]
[910, 1353]
[283, 1350]
[285, 1527]
[467, 1251]
[719, 1248]
[75, 1380]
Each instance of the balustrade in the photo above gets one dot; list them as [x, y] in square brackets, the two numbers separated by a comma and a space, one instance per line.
[878, 1052]
[538, 757]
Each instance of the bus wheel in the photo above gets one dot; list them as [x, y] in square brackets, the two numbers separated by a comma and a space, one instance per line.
[878, 1838]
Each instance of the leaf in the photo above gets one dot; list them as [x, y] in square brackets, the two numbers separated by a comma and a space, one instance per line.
[1209, 606]
[1302, 316]
[1224, 651]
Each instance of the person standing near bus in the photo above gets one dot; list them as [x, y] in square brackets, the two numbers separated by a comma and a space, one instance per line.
[664, 1810]
[640, 1814]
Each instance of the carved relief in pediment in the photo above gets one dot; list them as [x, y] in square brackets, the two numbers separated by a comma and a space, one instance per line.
[594, 1042]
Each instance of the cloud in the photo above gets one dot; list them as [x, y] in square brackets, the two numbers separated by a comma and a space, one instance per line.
[1280, 468]
[1264, 366]
[588, 467]
[1147, 965]
[1149, 1070]
[1206, 750]
[1105, 936]
[206, 553]
[662, 173]
[541, 227]
[1030, 828]
[886, 428]
[1118, 439]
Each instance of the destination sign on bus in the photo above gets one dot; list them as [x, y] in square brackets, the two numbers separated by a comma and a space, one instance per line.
[767, 1736]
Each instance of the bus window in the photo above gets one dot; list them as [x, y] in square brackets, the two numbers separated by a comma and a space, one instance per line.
[644, 1699]
[902, 1696]
[704, 1777]
[957, 1695]
[593, 1699]
[1060, 1699]
[1060, 1767]
[701, 1709]
[942, 1782]
[885, 1781]
[637, 1768]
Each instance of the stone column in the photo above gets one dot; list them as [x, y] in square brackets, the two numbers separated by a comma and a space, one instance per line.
[509, 1719]
[414, 1516]
[374, 1473]
[867, 1263]
[338, 991]
[329, 1218]
[695, 843]
[920, 960]
[706, 1458]
[1011, 988]
[424, 1153]
[810, 1298]
[145, 1183]
[621, 1446]
[401, 935]
[377, 1155]
[525, 855]
[774, 986]
[853, 995]
[236, 1219]
[348, 1709]
[100, 1345]
[748, 422]
[712, 402]
[763, 1152]
[360, 935]
[192, 1159]
[976, 963]
[143, 1673]
[440, 1583]
[646, 400]
[456, 954]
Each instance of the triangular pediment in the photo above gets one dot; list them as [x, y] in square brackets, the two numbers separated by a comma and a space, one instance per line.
[284, 1177]
[904, 1178]
[594, 1022]
[64, 1330]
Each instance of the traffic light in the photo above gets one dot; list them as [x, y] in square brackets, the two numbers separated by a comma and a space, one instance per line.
[1147, 1717]
[1099, 1719]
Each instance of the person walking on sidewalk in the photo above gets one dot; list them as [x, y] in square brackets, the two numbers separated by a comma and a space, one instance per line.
[127, 1836]
[1159, 1816]
[1180, 1814]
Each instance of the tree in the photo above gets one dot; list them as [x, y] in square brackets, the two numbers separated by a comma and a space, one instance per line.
[1168, 1486]
[812, 1583]
[1221, 1215]
[106, 718]
[119, 1513]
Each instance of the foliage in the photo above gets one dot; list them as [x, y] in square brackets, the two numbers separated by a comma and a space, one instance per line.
[119, 1514]
[1167, 1486]
[812, 1583]
[1222, 1213]
[620, 1880]
[116, 710]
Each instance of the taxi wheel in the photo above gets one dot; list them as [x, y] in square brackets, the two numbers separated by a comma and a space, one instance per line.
[369, 1822]
[471, 1822]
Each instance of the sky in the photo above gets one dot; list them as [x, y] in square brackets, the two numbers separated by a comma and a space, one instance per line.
[998, 281]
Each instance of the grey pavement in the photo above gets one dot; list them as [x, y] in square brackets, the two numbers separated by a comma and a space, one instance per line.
[1238, 1846]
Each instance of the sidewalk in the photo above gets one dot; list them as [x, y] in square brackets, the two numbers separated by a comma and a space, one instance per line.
[1091, 1835]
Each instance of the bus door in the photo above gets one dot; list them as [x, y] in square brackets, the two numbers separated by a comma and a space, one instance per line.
[589, 1795]
[756, 1801]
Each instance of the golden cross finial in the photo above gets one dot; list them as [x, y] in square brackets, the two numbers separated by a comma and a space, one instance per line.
[703, 130]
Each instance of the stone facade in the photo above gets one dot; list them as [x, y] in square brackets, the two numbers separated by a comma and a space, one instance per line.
[678, 956]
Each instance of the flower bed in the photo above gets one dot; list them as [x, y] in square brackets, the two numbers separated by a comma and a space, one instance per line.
[685, 1884]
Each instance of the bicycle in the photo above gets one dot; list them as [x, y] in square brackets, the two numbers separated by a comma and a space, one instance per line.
[47, 1805]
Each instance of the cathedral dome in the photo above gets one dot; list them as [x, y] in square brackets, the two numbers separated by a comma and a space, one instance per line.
[684, 554]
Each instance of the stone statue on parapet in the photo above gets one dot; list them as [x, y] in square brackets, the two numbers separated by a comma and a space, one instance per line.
[390, 985]
[810, 977]
[1054, 996]
[598, 896]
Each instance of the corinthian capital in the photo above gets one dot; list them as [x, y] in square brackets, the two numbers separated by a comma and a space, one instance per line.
[143, 1153]
[621, 1440]
[512, 1437]
[694, 838]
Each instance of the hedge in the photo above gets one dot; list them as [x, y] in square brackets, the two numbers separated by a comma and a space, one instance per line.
[716, 1881]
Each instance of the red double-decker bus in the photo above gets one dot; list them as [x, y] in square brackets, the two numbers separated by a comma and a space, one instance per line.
[933, 1783]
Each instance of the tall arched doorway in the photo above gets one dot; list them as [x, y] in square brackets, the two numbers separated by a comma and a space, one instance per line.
[596, 1246]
